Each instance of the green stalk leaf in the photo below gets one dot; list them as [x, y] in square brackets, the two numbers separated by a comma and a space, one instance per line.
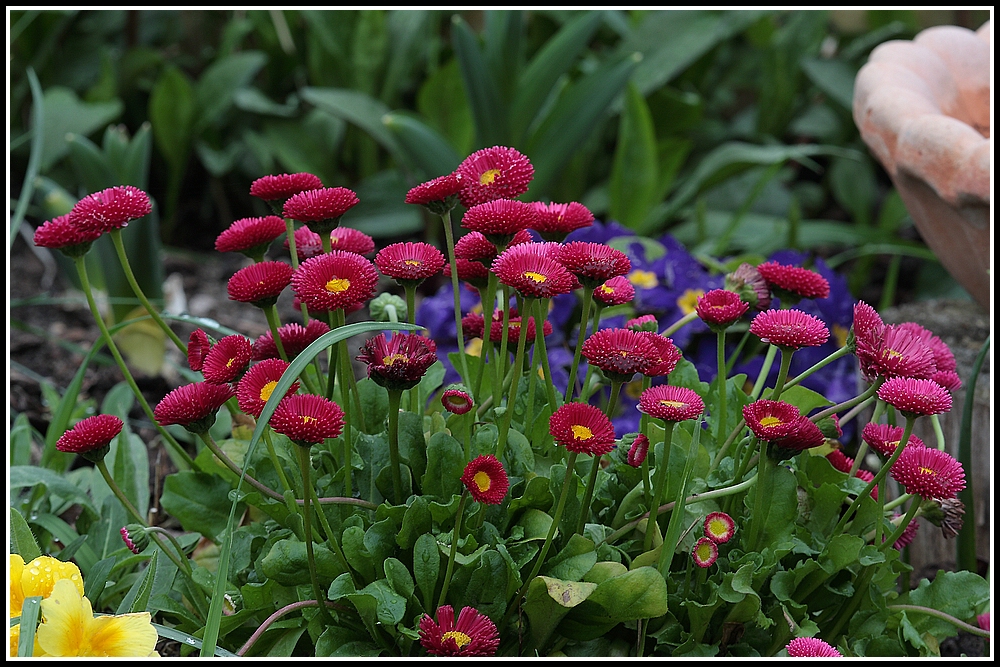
[22, 540]
[488, 110]
[424, 145]
[30, 611]
[358, 108]
[137, 598]
[188, 640]
[634, 172]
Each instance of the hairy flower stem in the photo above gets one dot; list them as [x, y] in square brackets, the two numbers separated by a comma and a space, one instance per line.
[756, 517]
[456, 533]
[758, 386]
[786, 362]
[863, 447]
[504, 357]
[542, 309]
[273, 323]
[276, 462]
[303, 454]
[116, 238]
[961, 625]
[662, 468]
[397, 480]
[278, 614]
[675, 327]
[81, 269]
[588, 494]
[560, 506]
[518, 366]
[352, 412]
[644, 420]
[741, 470]
[331, 536]
[720, 358]
[588, 297]
[332, 358]
[841, 352]
[911, 512]
[833, 409]
[449, 239]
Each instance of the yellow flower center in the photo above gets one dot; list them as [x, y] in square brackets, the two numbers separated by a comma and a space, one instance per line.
[927, 471]
[892, 445]
[718, 527]
[672, 404]
[704, 551]
[581, 432]
[487, 178]
[646, 279]
[334, 240]
[229, 364]
[688, 302]
[537, 277]
[891, 354]
[840, 334]
[338, 285]
[482, 481]
[306, 419]
[389, 360]
[605, 289]
[461, 639]
[267, 389]
[412, 262]
[770, 421]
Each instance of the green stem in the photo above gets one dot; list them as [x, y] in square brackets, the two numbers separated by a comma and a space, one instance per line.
[348, 390]
[686, 319]
[410, 290]
[331, 536]
[850, 403]
[673, 535]
[961, 625]
[786, 362]
[660, 482]
[757, 515]
[741, 469]
[275, 461]
[449, 238]
[332, 359]
[116, 238]
[911, 512]
[273, 323]
[504, 356]
[303, 454]
[841, 352]
[588, 494]
[81, 269]
[588, 297]
[758, 386]
[397, 480]
[542, 307]
[518, 370]
[856, 410]
[290, 235]
[720, 354]
[456, 533]
[644, 420]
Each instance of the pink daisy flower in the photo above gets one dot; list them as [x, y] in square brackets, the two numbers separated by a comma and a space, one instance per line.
[320, 209]
[473, 273]
[593, 263]
[620, 353]
[410, 263]
[556, 221]
[531, 273]
[513, 330]
[582, 428]
[307, 419]
[438, 195]
[193, 406]
[840, 461]
[804, 435]
[614, 292]
[750, 285]
[915, 397]
[473, 326]
[792, 329]
[705, 552]
[199, 343]
[638, 451]
[928, 473]
[499, 220]
[771, 420]
[474, 247]
[91, 437]
[399, 362]
[944, 359]
[260, 283]
[63, 234]
[793, 282]
[948, 379]
[667, 355]
[294, 338]
[349, 239]
[494, 173]
[457, 400]
[112, 208]
[907, 536]
[866, 333]
[472, 635]
[258, 384]
[810, 647]
[902, 354]
[334, 280]
[884, 438]
[719, 527]
[671, 404]
[486, 479]
[250, 236]
[227, 359]
[720, 309]
[278, 187]
[643, 323]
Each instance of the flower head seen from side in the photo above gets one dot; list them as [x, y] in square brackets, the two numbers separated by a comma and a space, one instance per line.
[884, 438]
[475, 247]
[38, 577]
[556, 221]
[457, 400]
[399, 362]
[70, 629]
[705, 552]
[907, 536]
[620, 353]
[840, 461]
[914, 397]
[902, 354]
[62, 234]
[790, 329]
[193, 406]
[950, 380]
[944, 358]
[494, 173]
[614, 292]
[499, 220]
[473, 634]
[929, 473]
[91, 437]
[473, 273]
[593, 263]
[671, 404]
[256, 387]
[473, 326]
[666, 355]
[335, 280]
[638, 451]
[410, 263]
[531, 273]
[866, 338]
[279, 187]
[250, 236]
[793, 283]
[810, 647]
[320, 209]
[770, 420]
[720, 309]
[294, 338]
[227, 359]
[307, 419]
[111, 208]
[135, 537]
[199, 343]
[438, 195]
[260, 284]
[582, 428]
[513, 330]
[751, 287]
[486, 479]
[643, 323]
[308, 243]
[719, 527]
[804, 434]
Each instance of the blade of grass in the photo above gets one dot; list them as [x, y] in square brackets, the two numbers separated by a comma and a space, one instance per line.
[28, 187]
[966, 542]
[488, 110]
[30, 611]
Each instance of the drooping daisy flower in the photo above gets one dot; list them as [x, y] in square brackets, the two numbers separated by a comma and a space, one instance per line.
[472, 635]
[928, 473]
[494, 173]
[38, 577]
[410, 263]
[614, 292]
[531, 273]
[307, 419]
[638, 451]
[91, 437]
[620, 353]
[473, 326]
[840, 461]
[791, 329]
[456, 399]
[260, 283]
[582, 428]
[227, 359]
[193, 406]
[399, 362]
[62, 234]
[256, 387]
[719, 527]
[135, 537]
[308, 243]
[199, 343]
[474, 247]
[671, 404]
[907, 536]
[112, 208]
[770, 420]
[438, 195]
[666, 355]
[720, 309]
[499, 220]
[334, 280]
[810, 647]
[643, 323]
[486, 479]
[915, 397]
[902, 354]
[250, 236]
[750, 285]
[792, 283]
[555, 221]
[294, 338]
[279, 187]
[320, 209]
[884, 438]
[593, 263]
[705, 552]
[830, 427]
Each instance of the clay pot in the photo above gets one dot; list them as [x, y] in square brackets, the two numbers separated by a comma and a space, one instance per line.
[923, 108]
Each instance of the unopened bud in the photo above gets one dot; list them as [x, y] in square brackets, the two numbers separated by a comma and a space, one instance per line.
[385, 305]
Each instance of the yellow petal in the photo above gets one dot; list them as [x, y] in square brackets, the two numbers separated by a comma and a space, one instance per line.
[16, 594]
[127, 635]
[66, 619]
[43, 572]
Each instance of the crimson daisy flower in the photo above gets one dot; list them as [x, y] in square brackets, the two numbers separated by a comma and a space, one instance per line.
[399, 362]
[250, 236]
[614, 292]
[719, 527]
[193, 406]
[705, 552]
[948, 379]
[791, 329]
[666, 357]
[474, 246]
[260, 283]
[494, 173]
[929, 473]
[457, 400]
[671, 404]
[135, 537]
[531, 273]
[721, 309]
[499, 220]
[915, 397]
[582, 428]
[556, 221]
[307, 419]
[907, 535]
[643, 323]
[810, 647]
[750, 285]
[258, 384]
[866, 338]
[473, 635]
[840, 461]
[884, 438]
[438, 195]
[473, 273]
[473, 326]
[199, 343]
[620, 353]
[902, 354]
[62, 234]
[279, 187]
[112, 208]
[514, 329]
[308, 243]
[349, 239]
[91, 437]
[638, 451]
[294, 338]
[334, 280]
[227, 359]
[804, 434]
[830, 427]
[593, 263]
[486, 479]
[944, 359]
[320, 209]
[410, 263]
[792, 283]
[770, 420]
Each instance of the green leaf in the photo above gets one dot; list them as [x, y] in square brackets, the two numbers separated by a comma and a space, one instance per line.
[90, 164]
[21, 438]
[353, 544]
[383, 211]
[634, 174]
[416, 521]
[639, 593]
[358, 108]
[574, 560]
[66, 114]
[834, 77]
[961, 594]
[30, 612]
[31, 476]
[198, 501]
[782, 506]
[806, 400]
[390, 605]
[97, 578]
[22, 540]
[172, 113]
[426, 566]
[482, 90]
[137, 598]
[407, 42]
[852, 183]
[399, 577]
[547, 601]
[253, 100]
[214, 91]
[445, 464]
[487, 587]
[188, 640]
[424, 146]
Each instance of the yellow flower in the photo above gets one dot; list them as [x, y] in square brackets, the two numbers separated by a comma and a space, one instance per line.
[15, 637]
[70, 629]
[37, 578]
